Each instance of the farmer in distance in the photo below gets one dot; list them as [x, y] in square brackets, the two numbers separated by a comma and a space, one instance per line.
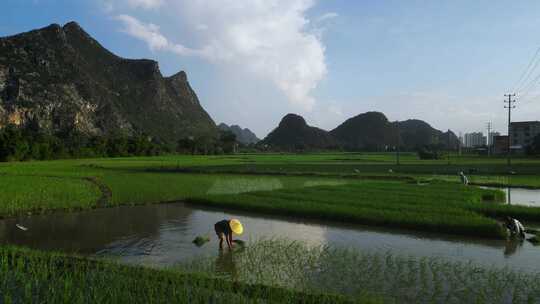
[225, 229]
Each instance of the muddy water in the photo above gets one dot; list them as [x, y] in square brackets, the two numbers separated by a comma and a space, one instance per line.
[161, 235]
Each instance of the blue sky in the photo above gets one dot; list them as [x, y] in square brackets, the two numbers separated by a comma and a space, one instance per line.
[251, 62]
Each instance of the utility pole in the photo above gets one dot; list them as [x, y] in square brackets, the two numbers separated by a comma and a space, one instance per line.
[449, 146]
[398, 138]
[488, 125]
[510, 106]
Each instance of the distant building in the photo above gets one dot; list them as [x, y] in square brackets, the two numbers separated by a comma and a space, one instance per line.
[475, 139]
[500, 144]
[492, 135]
[522, 134]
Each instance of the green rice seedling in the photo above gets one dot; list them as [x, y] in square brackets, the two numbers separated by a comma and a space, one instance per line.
[36, 194]
[28, 276]
[394, 278]
[201, 240]
[438, 207]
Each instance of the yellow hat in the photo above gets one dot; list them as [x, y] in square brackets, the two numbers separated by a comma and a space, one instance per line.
[236, 226]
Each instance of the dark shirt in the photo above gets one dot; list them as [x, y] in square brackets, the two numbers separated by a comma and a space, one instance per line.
[223, 227]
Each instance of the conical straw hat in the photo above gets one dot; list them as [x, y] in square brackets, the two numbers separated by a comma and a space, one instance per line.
[236, 226]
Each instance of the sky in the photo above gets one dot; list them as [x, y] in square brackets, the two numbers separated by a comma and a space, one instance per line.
[253, 61]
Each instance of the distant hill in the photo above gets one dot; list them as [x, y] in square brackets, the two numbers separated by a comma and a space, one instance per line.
[369, 131]
[417, 133]
[58, 79]
[293, 133]
[244, 136]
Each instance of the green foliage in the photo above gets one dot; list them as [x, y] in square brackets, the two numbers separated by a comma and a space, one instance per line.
[22, 144]
[424, 153]
[227, 141]
[206, 145]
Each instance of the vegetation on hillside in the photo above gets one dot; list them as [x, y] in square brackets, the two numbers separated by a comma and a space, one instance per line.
[60, 79]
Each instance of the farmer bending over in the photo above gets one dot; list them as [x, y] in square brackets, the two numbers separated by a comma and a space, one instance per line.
[515, 227]
[225, 229]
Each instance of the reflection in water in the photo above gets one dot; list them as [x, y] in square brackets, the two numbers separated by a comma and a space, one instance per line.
[225, 264]
[90, 231]
[512, 246]
[240, 185]
[162, 235]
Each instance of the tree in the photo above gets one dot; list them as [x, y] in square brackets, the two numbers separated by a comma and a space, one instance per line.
[13, 145]
[186, 145]
[227, 141]
[117, 145]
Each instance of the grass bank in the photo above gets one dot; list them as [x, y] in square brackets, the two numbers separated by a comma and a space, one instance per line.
[436, 207]
[34, 194]
[28, 276]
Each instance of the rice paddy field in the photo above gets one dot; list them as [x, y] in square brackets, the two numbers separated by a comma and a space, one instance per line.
[390, 277]
[360, 188]
[28, 276]
[437, 207]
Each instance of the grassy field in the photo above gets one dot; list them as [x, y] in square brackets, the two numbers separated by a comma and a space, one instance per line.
[395, 278]
[28, 276]
[37, 193]
[77, 184]
[356, 187]
[437, 207]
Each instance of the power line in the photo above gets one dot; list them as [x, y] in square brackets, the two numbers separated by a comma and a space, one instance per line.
[527, 69]
[510, 106]
[531, 84]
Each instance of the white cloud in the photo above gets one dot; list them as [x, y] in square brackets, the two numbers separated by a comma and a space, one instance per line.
[111, 5]
[146, 4]
[149, 33]
[327, 16]
[269, 38]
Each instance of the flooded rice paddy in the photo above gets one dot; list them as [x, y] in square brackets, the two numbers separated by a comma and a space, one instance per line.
[520, 196]
[161, 235]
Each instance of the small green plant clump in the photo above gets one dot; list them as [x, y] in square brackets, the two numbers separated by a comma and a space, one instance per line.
[201, 240]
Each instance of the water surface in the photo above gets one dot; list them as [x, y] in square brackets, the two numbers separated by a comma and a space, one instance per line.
[161, 235]
[520, 196]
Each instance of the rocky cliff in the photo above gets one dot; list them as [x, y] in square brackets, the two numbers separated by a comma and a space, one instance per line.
[244, 136]
[58, 79]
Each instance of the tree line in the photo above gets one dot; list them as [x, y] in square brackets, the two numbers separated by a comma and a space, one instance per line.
[21, 144]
